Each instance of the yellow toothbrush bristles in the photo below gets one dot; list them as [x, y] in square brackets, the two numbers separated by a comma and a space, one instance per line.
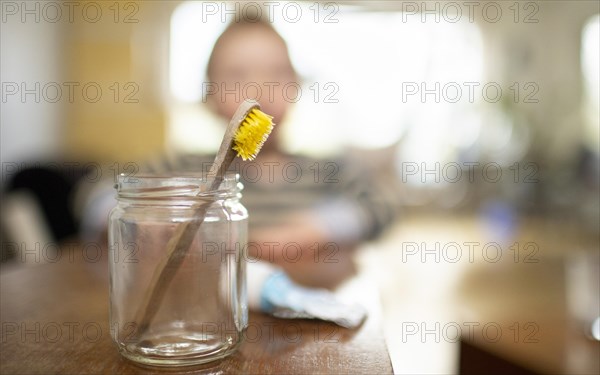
[252, 133]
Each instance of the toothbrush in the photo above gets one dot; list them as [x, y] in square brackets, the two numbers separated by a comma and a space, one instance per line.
[247, 131]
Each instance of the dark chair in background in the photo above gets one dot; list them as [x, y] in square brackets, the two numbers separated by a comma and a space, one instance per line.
[38, 207]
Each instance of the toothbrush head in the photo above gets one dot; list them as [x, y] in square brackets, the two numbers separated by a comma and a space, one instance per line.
[252, 133]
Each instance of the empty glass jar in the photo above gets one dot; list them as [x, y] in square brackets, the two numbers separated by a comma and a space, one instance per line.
[189, 306]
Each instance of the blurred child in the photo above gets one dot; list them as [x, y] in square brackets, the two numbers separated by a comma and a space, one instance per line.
[305, 214]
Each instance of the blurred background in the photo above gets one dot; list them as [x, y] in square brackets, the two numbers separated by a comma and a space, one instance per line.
[485, 114]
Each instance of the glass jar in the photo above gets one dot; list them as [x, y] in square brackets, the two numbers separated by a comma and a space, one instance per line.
[185, 306]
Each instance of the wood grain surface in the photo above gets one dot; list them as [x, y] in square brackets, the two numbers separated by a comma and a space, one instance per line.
[55, 320]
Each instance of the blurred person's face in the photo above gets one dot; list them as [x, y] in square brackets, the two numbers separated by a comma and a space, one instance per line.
[256, 59]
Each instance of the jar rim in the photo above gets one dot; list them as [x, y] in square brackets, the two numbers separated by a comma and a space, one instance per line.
[176, 185]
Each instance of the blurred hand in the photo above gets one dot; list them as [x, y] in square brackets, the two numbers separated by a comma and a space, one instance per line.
[304, 250]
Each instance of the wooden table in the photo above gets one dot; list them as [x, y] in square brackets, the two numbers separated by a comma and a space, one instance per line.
[525, 307]
[514, 314]
[533, 330]
[55, 320]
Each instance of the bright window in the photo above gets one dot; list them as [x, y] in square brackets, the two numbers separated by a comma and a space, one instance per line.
[590, 64]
